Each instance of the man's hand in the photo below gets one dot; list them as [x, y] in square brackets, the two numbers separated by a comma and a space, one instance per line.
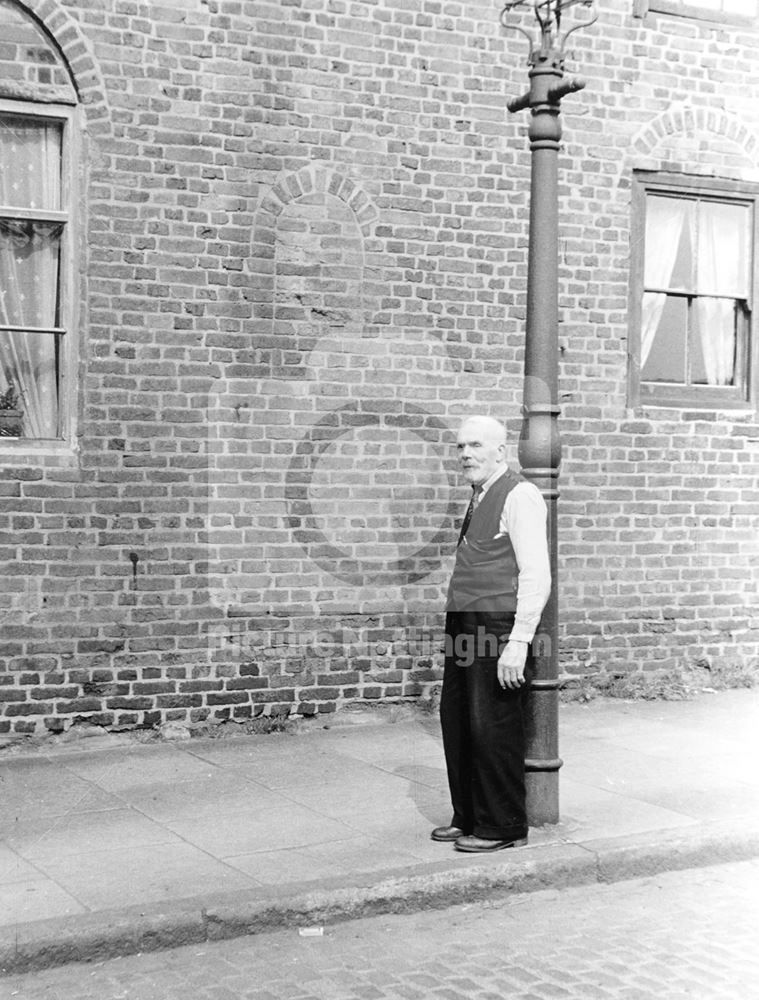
[511, 664]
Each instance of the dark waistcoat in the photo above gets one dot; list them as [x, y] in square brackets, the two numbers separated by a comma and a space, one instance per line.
[485, 573]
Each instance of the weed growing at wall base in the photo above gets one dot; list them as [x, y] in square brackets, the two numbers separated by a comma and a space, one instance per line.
[677, 684]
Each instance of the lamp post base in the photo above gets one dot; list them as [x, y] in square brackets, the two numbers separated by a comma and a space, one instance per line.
[542, 789]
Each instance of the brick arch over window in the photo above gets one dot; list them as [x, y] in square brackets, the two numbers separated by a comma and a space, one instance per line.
[700, 140]
[73, 45]
[282, 201]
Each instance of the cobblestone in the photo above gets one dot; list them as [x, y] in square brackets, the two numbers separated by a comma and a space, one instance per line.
[687, 935]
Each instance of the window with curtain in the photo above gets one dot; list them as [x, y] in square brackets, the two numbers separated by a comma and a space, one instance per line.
[34, 222]
[693, 260]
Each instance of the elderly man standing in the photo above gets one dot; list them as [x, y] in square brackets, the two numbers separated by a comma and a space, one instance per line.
[500, 584]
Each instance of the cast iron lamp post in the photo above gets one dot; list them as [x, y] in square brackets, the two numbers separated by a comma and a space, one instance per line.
[539, 443]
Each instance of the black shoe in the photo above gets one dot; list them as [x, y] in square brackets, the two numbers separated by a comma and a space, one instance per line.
[481, 845]
[446, 834]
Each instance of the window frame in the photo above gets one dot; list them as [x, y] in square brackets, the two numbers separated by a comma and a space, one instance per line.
[67, 116]
[692, 10]
[671, 394]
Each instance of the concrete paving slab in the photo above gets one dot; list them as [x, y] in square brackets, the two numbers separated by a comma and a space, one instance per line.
[712, 802]
[294, 865]
[366, 802]
[679, 742]
[32, 789]
[33, 899]
[430, 774]
[586, 808]
[314, 770]
[82, 833]
[118, 770]
[393, 744]
[157, 873]
[622, 770]
[228, 834]
[365, 854]
[13, 868]
[191, 800]
[738, 769]
[609, 769]
[412, 835]
[251, 753]
[412, 839]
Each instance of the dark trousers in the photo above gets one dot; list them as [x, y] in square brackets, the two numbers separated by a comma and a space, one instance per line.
[483, 731]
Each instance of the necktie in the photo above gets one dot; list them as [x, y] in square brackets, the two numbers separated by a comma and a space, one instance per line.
[476, 493]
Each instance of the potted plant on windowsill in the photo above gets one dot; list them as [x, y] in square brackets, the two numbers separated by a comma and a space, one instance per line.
[11, 414]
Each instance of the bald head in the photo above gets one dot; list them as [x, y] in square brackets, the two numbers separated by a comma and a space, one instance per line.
[488, 428]
[481, 448]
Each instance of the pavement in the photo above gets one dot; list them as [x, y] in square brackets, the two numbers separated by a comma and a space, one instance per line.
[111, 846]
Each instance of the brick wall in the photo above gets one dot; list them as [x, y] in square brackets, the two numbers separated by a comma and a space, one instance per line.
[303, 260]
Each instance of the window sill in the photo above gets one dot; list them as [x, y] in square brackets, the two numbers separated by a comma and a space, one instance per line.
[690, 411]
[704, 398]
[48, 454]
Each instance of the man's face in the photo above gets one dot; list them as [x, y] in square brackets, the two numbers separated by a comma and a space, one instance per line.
[480, 449]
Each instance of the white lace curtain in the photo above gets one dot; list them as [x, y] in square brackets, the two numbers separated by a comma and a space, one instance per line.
[717, 236]
[720, 267]
[665, 220]
[30, 157]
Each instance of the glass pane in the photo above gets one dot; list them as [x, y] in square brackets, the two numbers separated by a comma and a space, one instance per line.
[28, 385]
[723, 249]
[684, 271]
[714, 342]
[668, 249]
[30, 163]
[666, 359]
[29, 253]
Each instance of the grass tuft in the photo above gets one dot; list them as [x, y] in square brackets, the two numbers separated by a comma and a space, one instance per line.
[676, 684]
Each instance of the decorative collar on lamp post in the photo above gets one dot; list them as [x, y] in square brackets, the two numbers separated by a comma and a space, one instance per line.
[547, 45]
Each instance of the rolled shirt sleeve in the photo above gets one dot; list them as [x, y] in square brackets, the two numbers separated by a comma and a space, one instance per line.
[524, 518]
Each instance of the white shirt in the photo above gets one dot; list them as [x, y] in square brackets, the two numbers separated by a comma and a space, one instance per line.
[524, 518]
